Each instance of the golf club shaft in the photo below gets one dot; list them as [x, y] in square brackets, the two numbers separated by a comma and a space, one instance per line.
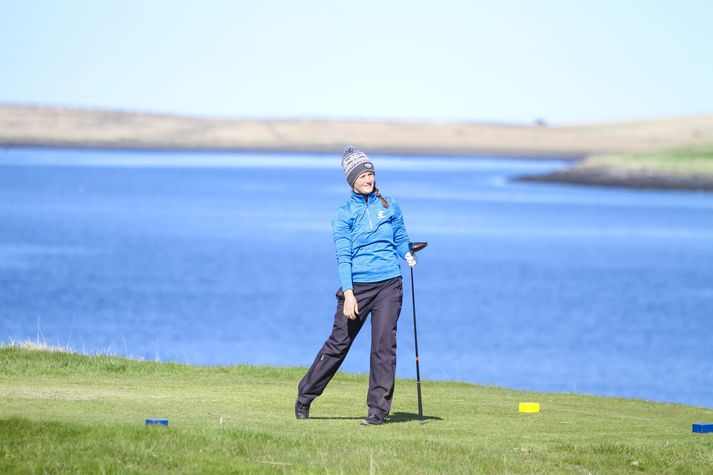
[415, 340]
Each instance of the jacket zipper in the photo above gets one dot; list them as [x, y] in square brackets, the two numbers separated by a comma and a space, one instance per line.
[368, 215]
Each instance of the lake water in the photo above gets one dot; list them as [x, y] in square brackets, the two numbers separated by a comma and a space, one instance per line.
[219, 258]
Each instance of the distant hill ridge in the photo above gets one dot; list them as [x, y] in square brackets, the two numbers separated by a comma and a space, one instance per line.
[26, 125]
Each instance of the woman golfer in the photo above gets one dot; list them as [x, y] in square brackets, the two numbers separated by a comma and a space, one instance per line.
[369, 236]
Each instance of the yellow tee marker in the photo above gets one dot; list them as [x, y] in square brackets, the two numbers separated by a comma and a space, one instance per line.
[529, 407]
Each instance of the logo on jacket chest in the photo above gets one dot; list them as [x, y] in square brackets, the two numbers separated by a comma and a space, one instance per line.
[381, 214]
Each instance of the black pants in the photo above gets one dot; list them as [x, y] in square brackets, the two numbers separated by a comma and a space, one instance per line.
[383, 301]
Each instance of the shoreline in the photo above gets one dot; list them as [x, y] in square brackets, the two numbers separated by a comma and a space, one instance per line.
[31, 126]
[683, 169]
[39, 126]
[497, 154]
[36, 126]
[573, 174]
[616, 179]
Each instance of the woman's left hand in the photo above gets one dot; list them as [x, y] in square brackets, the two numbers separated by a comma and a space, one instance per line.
[411, 260]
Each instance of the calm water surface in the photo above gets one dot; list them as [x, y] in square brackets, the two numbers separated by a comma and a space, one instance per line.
[228, 258]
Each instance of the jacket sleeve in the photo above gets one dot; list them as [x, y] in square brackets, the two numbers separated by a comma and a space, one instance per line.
[401, 240]
[343, 245]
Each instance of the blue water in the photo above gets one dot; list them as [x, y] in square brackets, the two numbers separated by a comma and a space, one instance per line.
[227, 258]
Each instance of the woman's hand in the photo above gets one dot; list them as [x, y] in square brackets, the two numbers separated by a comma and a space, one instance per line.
[411, 260]
[351, 308]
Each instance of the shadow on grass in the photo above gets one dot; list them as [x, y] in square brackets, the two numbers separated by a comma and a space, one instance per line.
[393, 418]
[409, 416]
[336, 418]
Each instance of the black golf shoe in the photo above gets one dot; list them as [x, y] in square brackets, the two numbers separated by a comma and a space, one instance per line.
[372, 420]
[301, 410]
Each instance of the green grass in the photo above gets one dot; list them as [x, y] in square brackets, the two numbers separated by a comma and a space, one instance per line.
[63, 412]
[692, 161]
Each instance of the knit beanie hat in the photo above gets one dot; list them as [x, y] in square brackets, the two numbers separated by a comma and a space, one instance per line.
[355, 163]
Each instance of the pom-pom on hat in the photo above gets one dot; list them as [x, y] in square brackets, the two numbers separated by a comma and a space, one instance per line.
[355, 163]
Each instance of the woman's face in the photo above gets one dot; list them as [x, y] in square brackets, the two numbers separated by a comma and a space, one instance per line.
[364, 184]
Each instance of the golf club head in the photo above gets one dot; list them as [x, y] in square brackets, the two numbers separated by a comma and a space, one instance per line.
[417, 246]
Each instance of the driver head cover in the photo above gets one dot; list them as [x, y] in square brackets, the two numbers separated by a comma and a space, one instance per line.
[355, 163]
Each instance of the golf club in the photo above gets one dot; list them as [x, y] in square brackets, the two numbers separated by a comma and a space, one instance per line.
[415, 247]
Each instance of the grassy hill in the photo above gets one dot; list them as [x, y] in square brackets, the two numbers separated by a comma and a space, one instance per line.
[24, 125]
[688, 168]
[615, 149]
[65, 412]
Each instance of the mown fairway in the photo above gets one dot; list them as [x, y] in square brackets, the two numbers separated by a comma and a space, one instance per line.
[64, 412]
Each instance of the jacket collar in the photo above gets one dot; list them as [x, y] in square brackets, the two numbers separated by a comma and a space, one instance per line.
[357, 198]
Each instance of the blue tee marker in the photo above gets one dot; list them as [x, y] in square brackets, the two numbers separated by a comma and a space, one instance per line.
[157, 422]
[702, 428]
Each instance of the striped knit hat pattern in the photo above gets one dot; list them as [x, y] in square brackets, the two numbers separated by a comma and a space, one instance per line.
[355, 163]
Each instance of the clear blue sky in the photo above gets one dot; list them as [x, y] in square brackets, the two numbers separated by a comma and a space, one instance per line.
[505, 61]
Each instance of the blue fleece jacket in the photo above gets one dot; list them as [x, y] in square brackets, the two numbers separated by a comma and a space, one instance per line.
[369, 240]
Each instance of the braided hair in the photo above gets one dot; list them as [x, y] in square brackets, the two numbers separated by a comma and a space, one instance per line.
[383, 200]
